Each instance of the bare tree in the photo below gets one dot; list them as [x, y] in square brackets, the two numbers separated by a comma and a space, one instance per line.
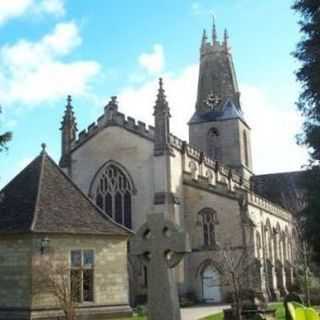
[239, 270]
[303, 254]
[54, 276]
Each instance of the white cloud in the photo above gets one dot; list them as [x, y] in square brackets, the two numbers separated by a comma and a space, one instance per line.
[198, 9]
[153, 62]
[55, 7]
[138, 101]
[273, 128]
[35, 72]
[10, 9]
[273, 133]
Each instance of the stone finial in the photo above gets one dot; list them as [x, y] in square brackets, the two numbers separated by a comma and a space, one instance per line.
[113, 103]
[161, 102]
[43, 147]
[114, 100]
[204, 38]
[161, 84]
[69, 100]
[214, 31]
[226, 40]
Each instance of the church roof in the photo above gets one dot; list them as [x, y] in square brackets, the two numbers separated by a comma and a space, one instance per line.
[42, 198]
[224, 111]
[284, 189]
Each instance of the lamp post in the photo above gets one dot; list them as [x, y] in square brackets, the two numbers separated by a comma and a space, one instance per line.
[44, 244]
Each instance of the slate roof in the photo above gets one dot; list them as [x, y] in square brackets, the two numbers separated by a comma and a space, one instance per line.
[284, 189]
[42, 198]
[224, 111]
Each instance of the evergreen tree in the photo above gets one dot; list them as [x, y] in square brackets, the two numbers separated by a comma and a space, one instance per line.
[308, 53]
[4, 138]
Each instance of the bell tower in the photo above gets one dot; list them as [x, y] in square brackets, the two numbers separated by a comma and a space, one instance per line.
[218, 126]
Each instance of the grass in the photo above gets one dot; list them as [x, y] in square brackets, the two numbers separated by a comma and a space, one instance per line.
[280, 313]
[217, 316]
[133, 318]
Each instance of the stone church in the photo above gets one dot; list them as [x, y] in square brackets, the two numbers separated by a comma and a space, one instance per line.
[207, 185]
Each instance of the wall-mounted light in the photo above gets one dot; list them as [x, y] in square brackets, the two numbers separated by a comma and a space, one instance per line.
[44, 245]
[199, 222]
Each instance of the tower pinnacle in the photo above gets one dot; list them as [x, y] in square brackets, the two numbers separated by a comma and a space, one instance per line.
[214, 31]
[68, 134]
[204, 38]
[162, 123]
[226, 40]
[69, 100]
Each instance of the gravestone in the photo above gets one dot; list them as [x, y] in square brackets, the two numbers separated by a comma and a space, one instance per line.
[160, 245]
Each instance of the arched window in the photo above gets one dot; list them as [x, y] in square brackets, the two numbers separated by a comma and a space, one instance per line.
[258, 246]
[284, 246]
[214, 149]
[268, 240]
[245, 146]
[112, 191]
[209, 221]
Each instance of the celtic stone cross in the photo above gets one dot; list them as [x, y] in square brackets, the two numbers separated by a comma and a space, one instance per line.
[161, 246]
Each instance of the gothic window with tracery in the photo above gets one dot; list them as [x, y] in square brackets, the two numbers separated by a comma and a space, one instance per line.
[209, 221]
[214, 149]
[113, 194]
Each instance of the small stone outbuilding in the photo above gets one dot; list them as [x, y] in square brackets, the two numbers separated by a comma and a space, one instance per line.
[45, 216]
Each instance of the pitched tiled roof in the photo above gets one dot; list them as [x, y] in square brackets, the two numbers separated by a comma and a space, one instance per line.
[42, 198]
[284, 189]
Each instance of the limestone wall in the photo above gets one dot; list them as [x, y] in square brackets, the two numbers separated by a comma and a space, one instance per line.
[229, 136]
[131, 151]
[227, 230]
[15, 275]
[110, 270]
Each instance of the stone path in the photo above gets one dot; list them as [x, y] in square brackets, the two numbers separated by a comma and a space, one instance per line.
[198, 312]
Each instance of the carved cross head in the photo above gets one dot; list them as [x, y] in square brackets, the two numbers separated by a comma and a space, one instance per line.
[159, 242]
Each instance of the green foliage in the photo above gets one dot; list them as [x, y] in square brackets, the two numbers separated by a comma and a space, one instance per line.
[308, 53]
[280, 311]
[4, 138]
[140, 311]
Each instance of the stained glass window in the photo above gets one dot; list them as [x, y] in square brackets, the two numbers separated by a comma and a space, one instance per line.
[113, 194]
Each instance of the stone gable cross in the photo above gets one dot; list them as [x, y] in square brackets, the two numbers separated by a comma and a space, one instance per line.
[160, 245]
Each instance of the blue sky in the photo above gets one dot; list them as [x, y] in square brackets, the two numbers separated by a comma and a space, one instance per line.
[95, 49]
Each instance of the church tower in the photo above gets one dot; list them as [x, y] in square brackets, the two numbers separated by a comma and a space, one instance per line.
[68, 135]
[218, 126]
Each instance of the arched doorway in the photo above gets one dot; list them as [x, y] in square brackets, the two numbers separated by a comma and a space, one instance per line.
[211, 290]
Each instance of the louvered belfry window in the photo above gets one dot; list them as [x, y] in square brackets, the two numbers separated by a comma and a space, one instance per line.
[114, 195]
